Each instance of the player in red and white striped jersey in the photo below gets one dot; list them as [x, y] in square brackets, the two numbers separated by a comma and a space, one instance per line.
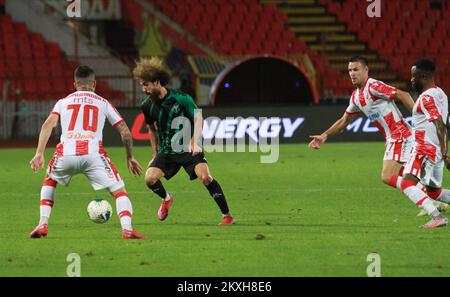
[82, 115]
[375, 99]
[427, 161]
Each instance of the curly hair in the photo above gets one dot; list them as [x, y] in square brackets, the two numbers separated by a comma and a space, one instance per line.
[151, 70]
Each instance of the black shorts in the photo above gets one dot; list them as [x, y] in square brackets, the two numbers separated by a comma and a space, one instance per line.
[170, 164]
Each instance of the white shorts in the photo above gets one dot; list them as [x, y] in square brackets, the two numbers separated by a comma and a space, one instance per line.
[99, 169]
[429, 173]
[399, 151]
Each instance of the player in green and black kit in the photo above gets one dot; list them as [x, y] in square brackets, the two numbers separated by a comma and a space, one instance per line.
[161, 108]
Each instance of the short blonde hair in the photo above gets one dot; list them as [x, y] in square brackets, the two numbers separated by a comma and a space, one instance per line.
[152, 69]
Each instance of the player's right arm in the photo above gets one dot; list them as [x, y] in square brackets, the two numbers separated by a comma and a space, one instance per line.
[46, 130]
[338, 126]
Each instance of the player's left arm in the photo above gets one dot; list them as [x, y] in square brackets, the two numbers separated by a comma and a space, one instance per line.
[442, 135]
[197, 137]
[405, 98]
[127, 140]
[387, 92]
[430, 108]
[46, 130]
[194, 113]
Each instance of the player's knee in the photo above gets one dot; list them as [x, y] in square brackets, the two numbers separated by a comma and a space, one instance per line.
[49, 182]
[406, 183]
[120, 191]
[433, 193]
[385, 178]
[206, 179]
[150, 180]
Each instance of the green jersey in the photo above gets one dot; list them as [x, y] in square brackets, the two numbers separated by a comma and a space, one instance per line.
[162, 113]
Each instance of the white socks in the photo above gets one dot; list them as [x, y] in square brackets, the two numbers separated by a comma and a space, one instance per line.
[47, 200]
[124, 210]
[396, 181]
[415, 194]
[399, 182]
[444, 196]
[419, 198]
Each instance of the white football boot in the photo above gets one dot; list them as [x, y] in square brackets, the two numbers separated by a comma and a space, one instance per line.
[441, 206]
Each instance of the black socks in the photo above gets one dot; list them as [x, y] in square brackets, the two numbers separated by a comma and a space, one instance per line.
[216, 192]
[158, 189]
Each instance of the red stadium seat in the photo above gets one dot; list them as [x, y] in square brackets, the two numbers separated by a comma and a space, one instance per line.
[6, 24]
[117, 96]
[53, 50]
[38, 46]
[37, 69]
[2, 69]
[44, 89]
[13, 67]
[56, 67]
[27, 68]
[25, 50]
[41, 67]
[28, 89]
[403, 31]
[13, 90]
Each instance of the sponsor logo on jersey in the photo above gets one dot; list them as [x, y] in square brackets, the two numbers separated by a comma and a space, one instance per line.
[374, 116]
[107, 168]
[80, 100]
[79, 136]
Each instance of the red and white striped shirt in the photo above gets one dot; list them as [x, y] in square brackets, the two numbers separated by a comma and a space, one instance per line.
[376, 100]
[432, 104]
[82, 115]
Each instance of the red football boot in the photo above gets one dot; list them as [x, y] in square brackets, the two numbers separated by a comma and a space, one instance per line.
[40, 231]
[163, 211]
[227, 220]
[131, 234]
[440, 221]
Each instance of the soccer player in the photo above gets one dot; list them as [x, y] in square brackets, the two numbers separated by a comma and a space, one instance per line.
[376, 100]
[82, 115]
[162, 107]
[427, 161]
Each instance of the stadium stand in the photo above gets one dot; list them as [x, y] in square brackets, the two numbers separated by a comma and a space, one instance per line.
[395, 38]
[328, 31]
[341, 29]
[38, 70]
[235, 28]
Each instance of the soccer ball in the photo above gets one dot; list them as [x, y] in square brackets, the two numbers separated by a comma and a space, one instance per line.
[99, 211]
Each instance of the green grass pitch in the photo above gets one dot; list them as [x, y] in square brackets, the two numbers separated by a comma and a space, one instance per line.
[313, 213]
